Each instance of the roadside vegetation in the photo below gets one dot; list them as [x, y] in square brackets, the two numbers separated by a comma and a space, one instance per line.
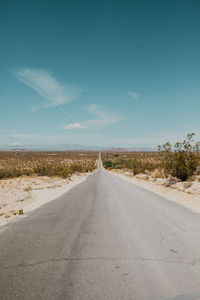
[62, 164]
[183, 160]
[135, 162]
[180, 161]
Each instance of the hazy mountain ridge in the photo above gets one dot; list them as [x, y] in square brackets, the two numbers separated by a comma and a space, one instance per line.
[69, 147]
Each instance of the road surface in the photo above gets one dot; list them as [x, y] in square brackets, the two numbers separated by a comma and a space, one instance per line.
[104, 239]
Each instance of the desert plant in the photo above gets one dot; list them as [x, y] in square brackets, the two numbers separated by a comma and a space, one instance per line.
[157, 173]
[27, 189]
[182, 162]
[107, 164]
[20, 212]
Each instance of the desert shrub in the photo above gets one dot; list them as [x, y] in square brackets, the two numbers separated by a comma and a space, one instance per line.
[20, 212]
[182, 162]
[158, 173]
[76, 168]
[64, 173]
[27, 172]
[9, 173]
[184, 165]
[108, 164]
[42, 170]
[52, 171]
[28, 189]
[119, 163]
[139, 166]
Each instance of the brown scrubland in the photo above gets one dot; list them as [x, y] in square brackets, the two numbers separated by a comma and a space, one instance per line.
[62, 164]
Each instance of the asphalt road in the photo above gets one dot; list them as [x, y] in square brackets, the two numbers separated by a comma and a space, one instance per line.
[104, 239]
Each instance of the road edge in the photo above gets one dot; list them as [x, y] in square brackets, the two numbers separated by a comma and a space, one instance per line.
[190, 201]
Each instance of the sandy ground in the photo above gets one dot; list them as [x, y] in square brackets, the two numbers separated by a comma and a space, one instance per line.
[184, 193]
[24, 194]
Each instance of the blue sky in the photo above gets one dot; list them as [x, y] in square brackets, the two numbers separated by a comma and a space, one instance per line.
[103, 73]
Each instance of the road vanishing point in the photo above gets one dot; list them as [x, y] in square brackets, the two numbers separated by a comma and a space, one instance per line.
[105, 239]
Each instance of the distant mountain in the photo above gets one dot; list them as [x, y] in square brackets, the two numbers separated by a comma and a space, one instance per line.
[70, 147]
[59, 147]
[116, 149]
[143, 149]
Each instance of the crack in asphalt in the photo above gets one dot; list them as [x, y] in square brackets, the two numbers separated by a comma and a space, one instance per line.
[192, 263]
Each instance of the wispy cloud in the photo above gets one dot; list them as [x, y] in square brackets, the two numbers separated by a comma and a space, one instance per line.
[75, 126]
[133, 94]
[103, 119]
[47, 86]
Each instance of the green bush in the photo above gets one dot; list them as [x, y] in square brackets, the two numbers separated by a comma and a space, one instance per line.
[184, 165]
[183, 161]
[108, 164]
